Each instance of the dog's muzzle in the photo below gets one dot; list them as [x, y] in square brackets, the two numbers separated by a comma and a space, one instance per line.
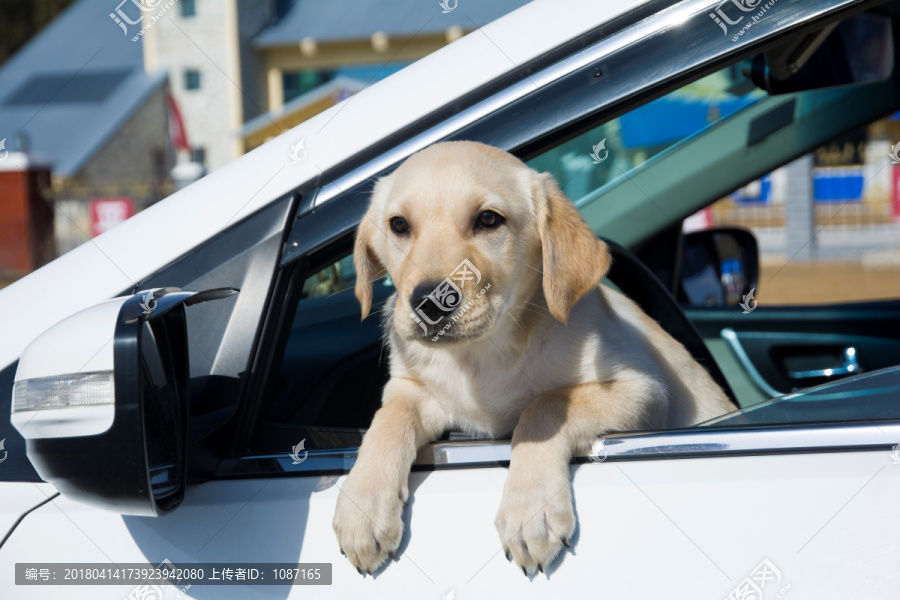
[432, 303]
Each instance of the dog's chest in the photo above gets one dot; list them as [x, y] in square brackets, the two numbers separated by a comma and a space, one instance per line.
[483, 396]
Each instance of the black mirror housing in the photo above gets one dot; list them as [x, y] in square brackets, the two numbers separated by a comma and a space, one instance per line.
[137, 465]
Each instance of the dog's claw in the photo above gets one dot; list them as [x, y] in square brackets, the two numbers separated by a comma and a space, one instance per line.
[565, 542]
[540, 567]
[508, 555]
[360, 571]
[369, 572]
[524, 572]
[343, 553]
[393, 555]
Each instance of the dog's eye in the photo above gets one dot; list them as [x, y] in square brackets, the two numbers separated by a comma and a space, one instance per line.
[399, 225]
[488, 219]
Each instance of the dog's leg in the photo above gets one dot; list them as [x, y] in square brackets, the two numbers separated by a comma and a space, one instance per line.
[536, 518]
[368, 518]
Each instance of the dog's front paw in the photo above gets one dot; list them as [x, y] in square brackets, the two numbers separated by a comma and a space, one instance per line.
[535, 520]
[368, 521]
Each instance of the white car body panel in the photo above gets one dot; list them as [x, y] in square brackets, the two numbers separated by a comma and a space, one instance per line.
[112, 262]
[18, 497]
[649, 534]
[80, 343]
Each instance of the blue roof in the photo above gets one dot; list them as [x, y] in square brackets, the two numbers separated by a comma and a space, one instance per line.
[331, 20]
[74, 85]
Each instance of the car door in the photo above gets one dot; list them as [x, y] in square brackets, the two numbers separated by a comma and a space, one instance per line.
[267, 481]
[664, 515]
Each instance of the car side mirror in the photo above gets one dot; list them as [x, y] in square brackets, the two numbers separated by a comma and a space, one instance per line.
[719, 267]
[101, 399]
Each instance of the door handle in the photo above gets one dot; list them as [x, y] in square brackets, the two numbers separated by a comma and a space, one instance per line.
[850, 367]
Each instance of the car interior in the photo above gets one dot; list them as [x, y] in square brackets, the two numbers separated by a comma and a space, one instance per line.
[817, 87]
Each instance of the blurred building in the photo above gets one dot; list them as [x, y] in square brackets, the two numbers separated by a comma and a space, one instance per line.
[26, 215]
[244, 71]
[115, 98]
[96, 117]
[204, 49]
[841, 202]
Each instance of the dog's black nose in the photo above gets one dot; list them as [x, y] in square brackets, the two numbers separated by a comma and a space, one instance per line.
[432, 300]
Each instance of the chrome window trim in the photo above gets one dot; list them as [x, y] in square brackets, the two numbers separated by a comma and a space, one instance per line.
[673, 16]
[699, 441]
[696, 442]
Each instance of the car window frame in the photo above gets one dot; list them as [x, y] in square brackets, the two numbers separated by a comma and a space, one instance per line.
[673, 444]
[329, 214]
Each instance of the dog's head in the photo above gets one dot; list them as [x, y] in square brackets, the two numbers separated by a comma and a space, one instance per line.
[469, 234]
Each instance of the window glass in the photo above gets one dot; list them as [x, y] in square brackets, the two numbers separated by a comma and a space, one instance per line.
[297, 83]
[192, 79]
[188, 8]
[611, 150]
[336, 277]
[329, 383]
[827, 224]
[868, 397]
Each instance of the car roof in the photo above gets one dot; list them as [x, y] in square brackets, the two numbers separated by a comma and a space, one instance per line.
[115, 260]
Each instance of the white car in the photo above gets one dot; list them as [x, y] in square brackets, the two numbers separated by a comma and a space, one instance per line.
[189, 388]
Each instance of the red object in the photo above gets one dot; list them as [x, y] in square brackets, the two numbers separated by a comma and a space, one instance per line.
[26, 219]
[895, 191]
[106, 213]
[177, 132]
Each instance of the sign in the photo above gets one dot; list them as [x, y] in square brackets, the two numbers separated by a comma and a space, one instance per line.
[106, 213]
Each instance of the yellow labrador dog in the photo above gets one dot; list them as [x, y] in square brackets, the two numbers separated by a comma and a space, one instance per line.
[500, 325]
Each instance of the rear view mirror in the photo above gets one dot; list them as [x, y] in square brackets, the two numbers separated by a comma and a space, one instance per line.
[718, 267]
[101, 399]
[859, 49]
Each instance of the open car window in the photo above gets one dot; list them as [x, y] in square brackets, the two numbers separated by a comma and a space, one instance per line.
[327, 378]
[333, 367]
[328, 385]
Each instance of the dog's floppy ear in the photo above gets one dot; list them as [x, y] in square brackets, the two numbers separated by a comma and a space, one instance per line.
[367, 264]
[574, 259]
